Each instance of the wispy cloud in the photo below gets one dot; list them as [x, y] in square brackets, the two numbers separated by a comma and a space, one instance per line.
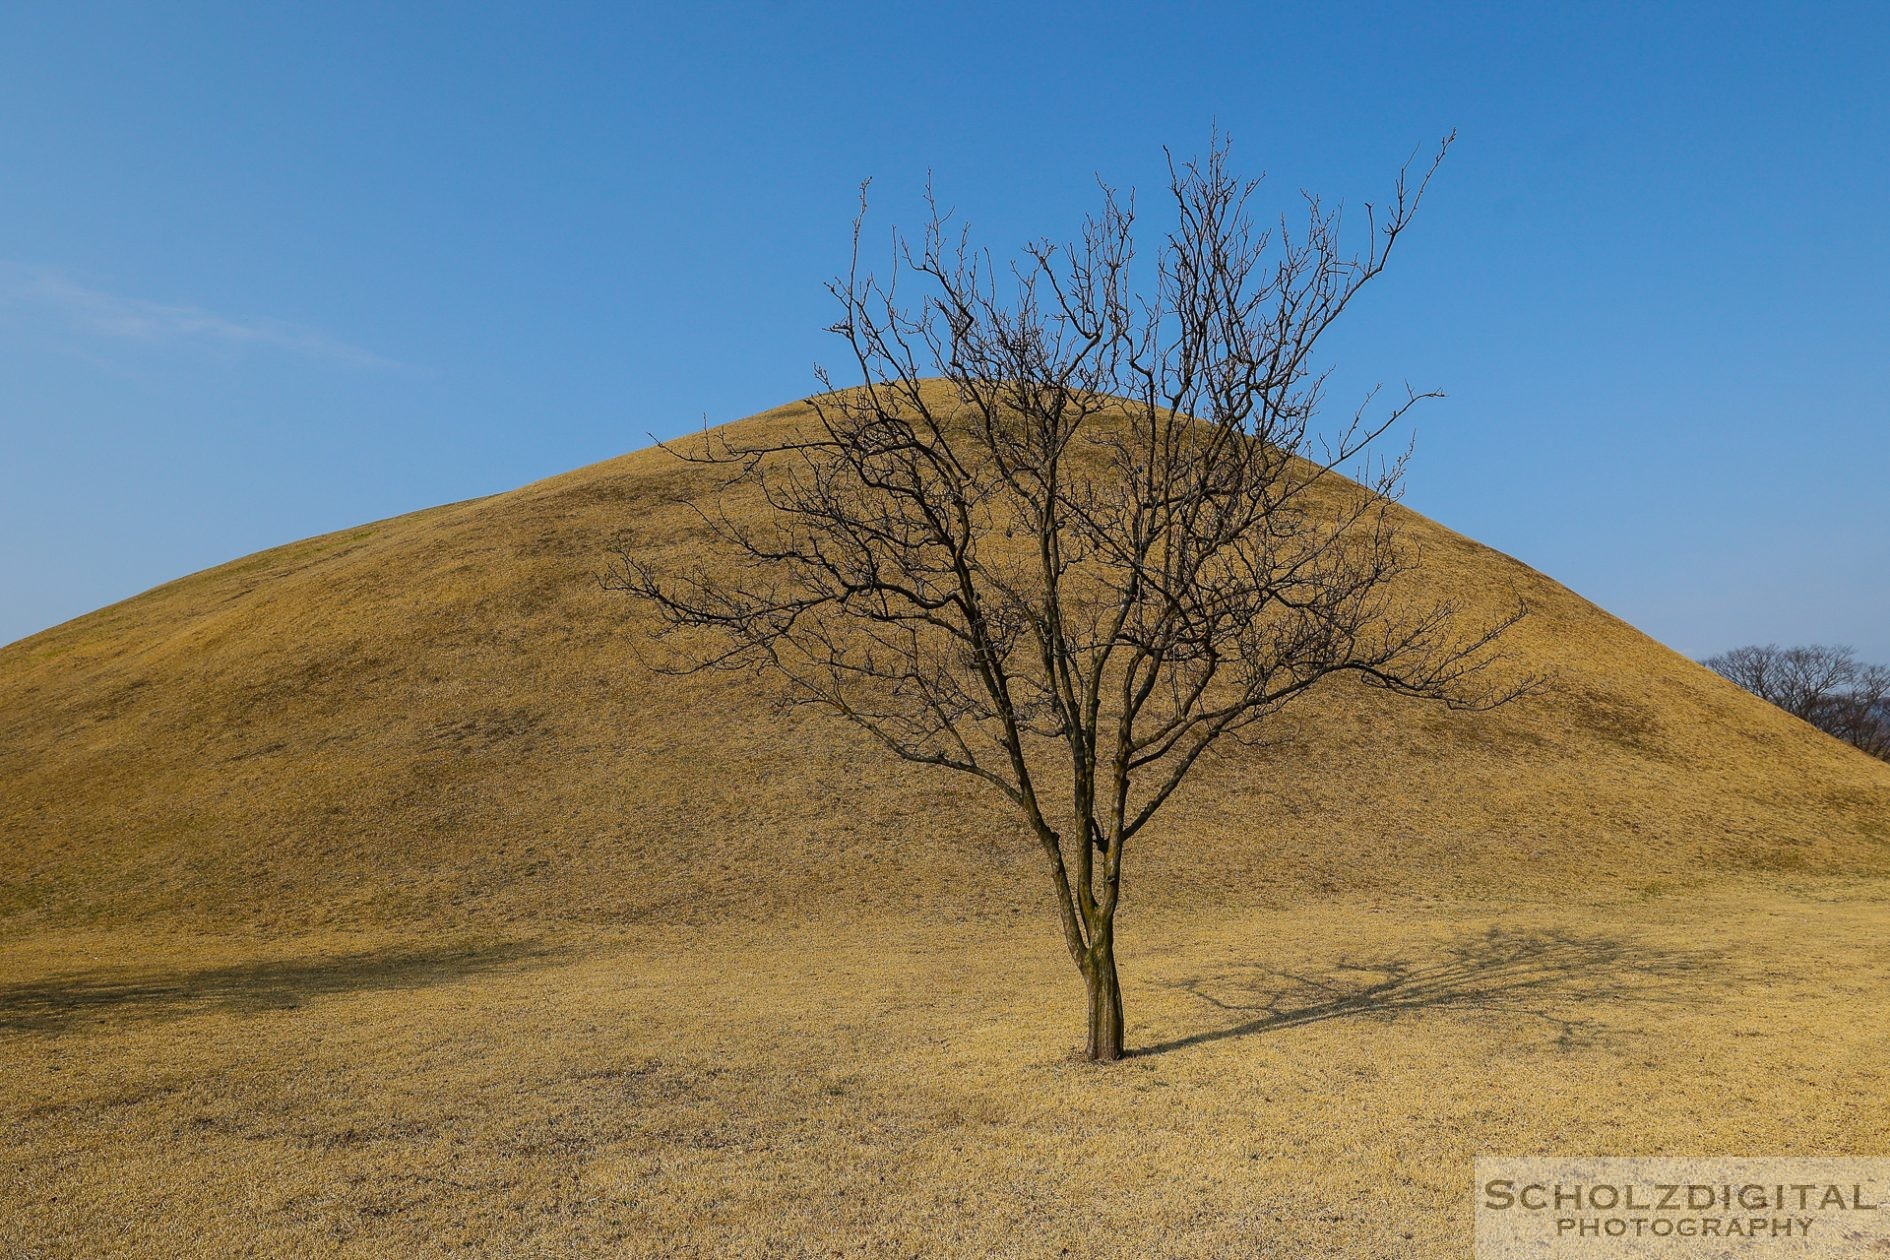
[103, 314]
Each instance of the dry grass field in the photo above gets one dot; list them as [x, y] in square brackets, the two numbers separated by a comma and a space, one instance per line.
[1310, 1082]
[368, 897]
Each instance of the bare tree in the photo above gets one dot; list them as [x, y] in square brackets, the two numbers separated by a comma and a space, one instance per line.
[1103, 544]
[1826, 686]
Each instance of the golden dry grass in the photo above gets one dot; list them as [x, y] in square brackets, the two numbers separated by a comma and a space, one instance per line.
[366, 897]
[1319, 1082]
[439, 718]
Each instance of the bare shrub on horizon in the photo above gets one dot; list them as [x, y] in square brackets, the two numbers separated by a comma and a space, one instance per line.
[1825, 685]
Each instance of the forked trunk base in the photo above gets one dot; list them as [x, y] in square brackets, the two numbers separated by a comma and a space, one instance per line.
[1105, 1004]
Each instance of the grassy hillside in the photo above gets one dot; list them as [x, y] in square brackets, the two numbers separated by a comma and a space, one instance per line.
[442, 718]
[368, 897]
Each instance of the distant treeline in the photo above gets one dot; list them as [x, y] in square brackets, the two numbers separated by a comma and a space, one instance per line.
[1826, 686]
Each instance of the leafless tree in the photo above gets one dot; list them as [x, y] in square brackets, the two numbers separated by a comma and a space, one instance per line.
[1826, 686]
[1104, 543]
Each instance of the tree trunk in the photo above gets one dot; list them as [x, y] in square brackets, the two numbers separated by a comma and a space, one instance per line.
[1105, 999]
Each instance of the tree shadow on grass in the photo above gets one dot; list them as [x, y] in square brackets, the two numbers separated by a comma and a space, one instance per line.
[84, 999]
[1562, 979]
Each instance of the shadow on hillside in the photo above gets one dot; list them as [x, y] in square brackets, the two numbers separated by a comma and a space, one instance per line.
[59, 1003]
[1561, 979]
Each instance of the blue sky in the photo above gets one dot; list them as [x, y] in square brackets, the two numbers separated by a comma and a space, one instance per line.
[272, 270]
